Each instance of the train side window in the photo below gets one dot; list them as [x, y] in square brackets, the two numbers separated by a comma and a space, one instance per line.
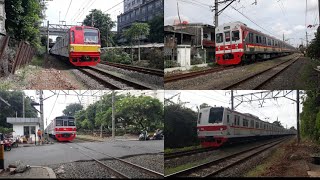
[227, 36]
[252, 123]
[264, 40]
[257, 125]
[269, 42]
[235, 35]
[72, 37]
[228, 119]
[250, 37]
[257, 39]
[260, 40]
[219, 38]
[200, 114]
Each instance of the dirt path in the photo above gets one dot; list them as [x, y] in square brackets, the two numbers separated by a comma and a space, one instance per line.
[54, 75]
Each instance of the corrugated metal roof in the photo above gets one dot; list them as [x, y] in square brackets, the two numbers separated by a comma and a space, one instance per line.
[13, 120]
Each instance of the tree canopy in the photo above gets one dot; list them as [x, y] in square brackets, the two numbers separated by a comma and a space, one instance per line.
[156, 30]
[103, 22]
[277, 123]
[14, 98]
[313, 50]
[71, 109]
[23, 20]
[180, 126]
[132, 114]
[310, 116]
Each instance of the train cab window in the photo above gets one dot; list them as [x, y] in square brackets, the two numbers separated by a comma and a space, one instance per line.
[72, 37]
[71, 123]
[215, 115]
[235, 35]
[91, 36]
[250, 37]
[59, 122]
[65, 123]
[227, 36]
[219, 38]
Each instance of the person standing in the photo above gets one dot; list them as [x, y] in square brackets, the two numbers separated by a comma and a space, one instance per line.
[39, 133]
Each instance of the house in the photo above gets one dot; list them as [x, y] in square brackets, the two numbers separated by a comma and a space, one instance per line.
[26, 127]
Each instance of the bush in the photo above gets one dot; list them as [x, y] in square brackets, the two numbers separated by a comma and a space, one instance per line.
[170, 64]
[155, 57]
[116, 56]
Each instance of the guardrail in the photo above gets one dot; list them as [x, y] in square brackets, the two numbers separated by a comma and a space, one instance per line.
[14, 54]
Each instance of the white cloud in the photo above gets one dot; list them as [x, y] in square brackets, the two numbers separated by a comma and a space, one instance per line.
[299, 28]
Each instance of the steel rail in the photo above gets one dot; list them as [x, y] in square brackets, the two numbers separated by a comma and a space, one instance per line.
[174, 155]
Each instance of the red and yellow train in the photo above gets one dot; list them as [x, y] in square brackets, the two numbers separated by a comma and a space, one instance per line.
[236, 43]
[80, 45]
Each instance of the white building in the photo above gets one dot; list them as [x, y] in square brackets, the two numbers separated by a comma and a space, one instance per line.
[2, 17]
[27, 127]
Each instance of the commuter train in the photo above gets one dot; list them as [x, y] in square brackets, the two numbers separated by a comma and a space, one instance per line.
[80, 45]
[62, 128]
[236, 43]
[217, 126]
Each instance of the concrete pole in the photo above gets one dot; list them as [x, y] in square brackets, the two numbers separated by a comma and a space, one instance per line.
[41, 112]
[216, 16]
[298, 115]
[232, 105]
[23, 108]
[307, 39]
[48, 37]
[113, 118]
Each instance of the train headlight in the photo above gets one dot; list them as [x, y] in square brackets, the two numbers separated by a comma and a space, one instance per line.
[71, 49]
[99, 50]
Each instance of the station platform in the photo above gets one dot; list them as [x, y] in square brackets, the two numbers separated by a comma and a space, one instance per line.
[34, 172]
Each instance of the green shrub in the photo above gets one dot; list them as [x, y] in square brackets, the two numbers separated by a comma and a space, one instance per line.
[116, 56]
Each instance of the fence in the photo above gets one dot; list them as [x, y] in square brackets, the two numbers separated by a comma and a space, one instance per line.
[14, 55]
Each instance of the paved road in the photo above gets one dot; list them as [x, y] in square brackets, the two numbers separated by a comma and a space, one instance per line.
[70, 152]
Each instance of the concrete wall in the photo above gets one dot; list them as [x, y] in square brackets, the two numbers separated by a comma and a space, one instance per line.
[19, 130]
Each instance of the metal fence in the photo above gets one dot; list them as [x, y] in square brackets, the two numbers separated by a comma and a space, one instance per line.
[14, 54]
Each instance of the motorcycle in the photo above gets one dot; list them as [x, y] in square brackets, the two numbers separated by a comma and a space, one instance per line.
[144, 136]
[158, 135]
[7, 145]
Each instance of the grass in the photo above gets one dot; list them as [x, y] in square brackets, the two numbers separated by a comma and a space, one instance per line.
[5, 85]
[276, 154]
[37, 61]
[309, 76]
[183, 167]
[181, 149]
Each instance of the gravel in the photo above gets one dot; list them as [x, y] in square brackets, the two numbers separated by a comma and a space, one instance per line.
[92, 169]
[88, 81]
[221, 79]
[154, 81]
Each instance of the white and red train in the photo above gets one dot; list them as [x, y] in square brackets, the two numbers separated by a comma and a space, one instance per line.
[236, 43]
[217, 126]
[62, 128]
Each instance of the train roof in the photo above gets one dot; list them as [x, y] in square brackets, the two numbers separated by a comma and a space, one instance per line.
[64, 117]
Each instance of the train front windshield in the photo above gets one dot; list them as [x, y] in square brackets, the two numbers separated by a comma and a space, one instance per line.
[91, 36]
[215, 115]
[65, 122]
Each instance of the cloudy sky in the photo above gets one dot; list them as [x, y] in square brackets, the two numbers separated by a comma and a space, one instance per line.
[275, 16]
[53, 106]
[283, 109]
[79, 9]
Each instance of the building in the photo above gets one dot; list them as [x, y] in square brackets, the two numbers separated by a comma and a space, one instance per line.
[131, 4]
[145, 11]
[2, 17]
[25, 127]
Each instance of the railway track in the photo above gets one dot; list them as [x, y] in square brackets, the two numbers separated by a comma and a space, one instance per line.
[217, 166]
[150, 173]
[259, 79]
[179, 77]
[155, 72]
[186, 153]
[103, 77]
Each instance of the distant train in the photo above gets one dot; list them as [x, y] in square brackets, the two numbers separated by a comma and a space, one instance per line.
[62, 128]
[217, 126]
[80, 45]
[236, 43]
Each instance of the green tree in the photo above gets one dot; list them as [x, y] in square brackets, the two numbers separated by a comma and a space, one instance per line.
[71, 109]
[14, 98]
[144, 112]
[156, 30]
[180, 126]
[136, 32]
[277, 123]
[204, 105]
[23, 20]
[103, 22]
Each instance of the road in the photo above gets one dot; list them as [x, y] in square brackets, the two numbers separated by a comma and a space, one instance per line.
[69, 152]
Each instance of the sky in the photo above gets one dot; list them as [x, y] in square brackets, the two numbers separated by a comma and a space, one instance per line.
[276, 17]
[53, 106]
[79, 9]
[283, 109]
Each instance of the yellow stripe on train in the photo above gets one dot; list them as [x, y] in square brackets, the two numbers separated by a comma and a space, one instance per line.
[84, 48]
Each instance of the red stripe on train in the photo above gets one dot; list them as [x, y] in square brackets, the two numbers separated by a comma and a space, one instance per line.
[211, 128]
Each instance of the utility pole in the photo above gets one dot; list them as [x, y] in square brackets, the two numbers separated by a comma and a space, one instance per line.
[232, 104]
[41, 111]
[23, 109]
[307, 39]
[113, 118]
[48, 37]
[298, 115]
[216, 16]
[283, 37]
[92, 18]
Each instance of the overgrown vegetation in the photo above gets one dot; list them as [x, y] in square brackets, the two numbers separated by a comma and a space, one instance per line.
[116, 56]
[156, 29]
[132, 114]
[313, 50]
[180, 126]
[310, 116]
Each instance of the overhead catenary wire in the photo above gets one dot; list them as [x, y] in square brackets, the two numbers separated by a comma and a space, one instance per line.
[68, 10]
